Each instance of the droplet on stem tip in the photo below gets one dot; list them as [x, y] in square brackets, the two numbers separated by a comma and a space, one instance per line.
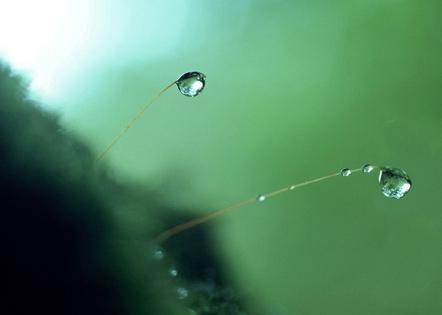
[394, 182]
[191, 83]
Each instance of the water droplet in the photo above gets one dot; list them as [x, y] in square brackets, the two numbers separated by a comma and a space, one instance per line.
[345, 172]
[173, 272]
[292, 187]
[182, 293]
[261, 198]
[192, 311]
[158, 254]
[367, 168]
[191, 83]
[395, 183]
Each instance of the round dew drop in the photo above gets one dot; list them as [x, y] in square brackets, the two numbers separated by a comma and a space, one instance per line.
[394, 182]
[261, 198]
[191, 83]
[367, 168]
[345, 172]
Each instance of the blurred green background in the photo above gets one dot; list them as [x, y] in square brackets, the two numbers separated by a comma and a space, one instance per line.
[295, 90]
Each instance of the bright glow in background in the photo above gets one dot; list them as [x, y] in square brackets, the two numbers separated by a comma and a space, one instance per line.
[56, 42]
[43, 37]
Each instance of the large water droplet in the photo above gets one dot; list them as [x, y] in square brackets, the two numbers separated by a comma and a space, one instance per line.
[345, 172]
[367, 168]
[395, 183]
[191, 83]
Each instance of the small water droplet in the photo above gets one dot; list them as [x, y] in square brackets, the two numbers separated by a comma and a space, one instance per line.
[191, 83]
[394, 182]
[182, 293]
[345, 172]
[261, 198]
[292, 187]
[173, 272]
[158, 254]
[367, 168]
[192, 311]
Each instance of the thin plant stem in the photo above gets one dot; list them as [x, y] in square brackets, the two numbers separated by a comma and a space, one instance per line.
[132, 122]
[177, 229]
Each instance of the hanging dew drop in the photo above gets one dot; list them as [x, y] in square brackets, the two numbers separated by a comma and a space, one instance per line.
[345, 172]
[394, 182]
[367, 168]
[191, 83]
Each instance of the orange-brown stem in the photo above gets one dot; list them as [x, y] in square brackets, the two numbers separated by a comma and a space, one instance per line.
[164, 236]
[132, 122]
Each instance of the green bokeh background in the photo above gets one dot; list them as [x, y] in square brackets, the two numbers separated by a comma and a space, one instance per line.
[295, 90]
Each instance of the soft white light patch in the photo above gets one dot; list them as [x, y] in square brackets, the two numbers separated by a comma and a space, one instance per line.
[58, 42]
[41, 38]
[27, 27]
